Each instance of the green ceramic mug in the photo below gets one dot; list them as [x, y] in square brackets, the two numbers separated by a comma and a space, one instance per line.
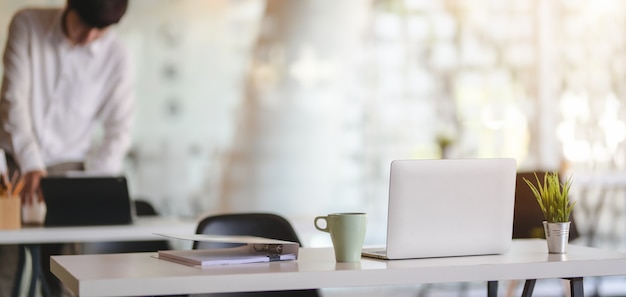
[347, 232]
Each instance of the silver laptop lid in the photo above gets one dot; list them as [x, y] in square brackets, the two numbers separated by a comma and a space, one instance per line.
[450, 207]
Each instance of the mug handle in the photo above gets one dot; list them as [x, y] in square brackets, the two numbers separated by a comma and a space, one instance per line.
[325, 218]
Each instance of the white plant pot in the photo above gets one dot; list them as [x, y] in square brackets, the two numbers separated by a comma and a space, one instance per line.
[557, 237]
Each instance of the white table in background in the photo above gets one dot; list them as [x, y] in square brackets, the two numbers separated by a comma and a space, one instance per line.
[138, 274]
[142, 229]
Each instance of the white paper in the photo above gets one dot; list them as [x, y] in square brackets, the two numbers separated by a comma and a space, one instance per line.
[225, 238]
[3, 162]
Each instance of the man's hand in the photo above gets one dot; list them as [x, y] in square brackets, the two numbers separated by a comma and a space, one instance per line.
[31, 187]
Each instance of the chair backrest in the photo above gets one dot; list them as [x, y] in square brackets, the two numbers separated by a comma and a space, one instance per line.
[144, 208]
[252, 224]
[528, 218]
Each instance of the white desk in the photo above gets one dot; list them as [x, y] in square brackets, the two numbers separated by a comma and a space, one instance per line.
[30, 238]
[142, 274]
[142, 229]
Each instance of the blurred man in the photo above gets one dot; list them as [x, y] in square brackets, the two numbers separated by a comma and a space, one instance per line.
[66, 74]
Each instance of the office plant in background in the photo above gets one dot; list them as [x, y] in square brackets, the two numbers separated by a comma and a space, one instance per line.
[553, 199]
[444, 142]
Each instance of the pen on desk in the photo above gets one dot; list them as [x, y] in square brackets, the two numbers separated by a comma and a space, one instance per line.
[15, 178]
[11, 188]
[5, 186]
[18, 187]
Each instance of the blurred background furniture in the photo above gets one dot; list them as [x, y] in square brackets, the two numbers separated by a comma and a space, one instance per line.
[142, 208]
[30, 238]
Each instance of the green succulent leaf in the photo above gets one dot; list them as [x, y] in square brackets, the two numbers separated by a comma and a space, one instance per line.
[552, 197]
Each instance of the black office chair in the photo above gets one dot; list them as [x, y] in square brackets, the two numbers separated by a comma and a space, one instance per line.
[250, 224]
[142, 208]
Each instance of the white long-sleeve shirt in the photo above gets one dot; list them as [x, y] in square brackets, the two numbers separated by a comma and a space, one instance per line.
[55, 94]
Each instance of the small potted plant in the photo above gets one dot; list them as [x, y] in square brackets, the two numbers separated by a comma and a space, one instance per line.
[444, 142]
[553, 199]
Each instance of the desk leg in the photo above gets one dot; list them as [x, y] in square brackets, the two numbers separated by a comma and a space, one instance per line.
[529, 286]
[21, 261]
[576, 287]
[35, 267]
[35, 252]
[492, 289]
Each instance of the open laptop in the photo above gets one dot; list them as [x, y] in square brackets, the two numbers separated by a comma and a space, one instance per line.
[86, 201]
[449, 207]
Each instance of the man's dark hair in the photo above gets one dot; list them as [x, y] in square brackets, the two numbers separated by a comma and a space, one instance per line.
[99, 13]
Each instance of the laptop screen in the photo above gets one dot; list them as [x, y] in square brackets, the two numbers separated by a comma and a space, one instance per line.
[86, 201]
[450, 207]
